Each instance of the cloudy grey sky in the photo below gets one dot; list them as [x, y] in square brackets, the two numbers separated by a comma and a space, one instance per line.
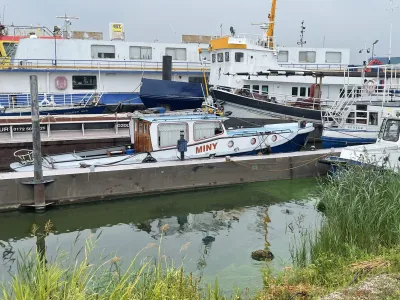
[344, 23]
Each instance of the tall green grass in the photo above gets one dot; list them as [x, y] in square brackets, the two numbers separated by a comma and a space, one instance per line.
[361, 208]
[91, 278]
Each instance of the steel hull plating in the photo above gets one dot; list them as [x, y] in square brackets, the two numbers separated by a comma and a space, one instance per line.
[269, 108]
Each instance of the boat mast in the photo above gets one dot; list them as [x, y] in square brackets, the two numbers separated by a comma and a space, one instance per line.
[67, 23]
[271, 28]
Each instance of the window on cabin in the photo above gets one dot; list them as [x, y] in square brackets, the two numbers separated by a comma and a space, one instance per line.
[264, 89]
[283, 56]
[373, 118]
[176, 53]
[303, 91]
[256, 88]
[307, 56]
[84, 82]
[206, 130]
[205, 54]
[169, 134]
[333, 57]
[351, 118]
[140, 52]
[220, 57]
[246, 87]
[342, 93]
[103, 51]
[10, 49]
[391, 131]
[295, 91]
[226, 56]
[309, 92]
[239, 57]
[214, 58]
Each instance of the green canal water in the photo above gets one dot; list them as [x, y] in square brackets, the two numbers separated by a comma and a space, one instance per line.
[217, 229]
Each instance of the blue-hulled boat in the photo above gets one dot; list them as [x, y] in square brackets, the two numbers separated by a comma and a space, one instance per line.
[171, 94]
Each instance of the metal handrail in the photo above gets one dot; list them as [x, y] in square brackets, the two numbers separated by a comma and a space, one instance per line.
[108, 64]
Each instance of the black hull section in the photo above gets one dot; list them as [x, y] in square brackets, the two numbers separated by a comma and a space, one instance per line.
[273, 108]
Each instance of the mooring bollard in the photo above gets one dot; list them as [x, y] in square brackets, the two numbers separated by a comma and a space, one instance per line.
[182, 145]
[38, 188]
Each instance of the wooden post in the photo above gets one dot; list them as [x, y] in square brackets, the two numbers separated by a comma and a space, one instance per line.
[38, 188]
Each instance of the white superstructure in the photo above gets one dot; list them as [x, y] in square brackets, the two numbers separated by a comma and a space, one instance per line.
[70, 67]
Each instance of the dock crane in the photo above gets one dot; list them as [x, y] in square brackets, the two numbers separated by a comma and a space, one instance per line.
[269, 27]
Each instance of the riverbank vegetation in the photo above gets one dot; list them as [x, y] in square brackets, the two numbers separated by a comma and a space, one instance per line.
[359, 238]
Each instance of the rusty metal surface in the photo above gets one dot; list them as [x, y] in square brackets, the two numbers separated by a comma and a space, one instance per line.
[201, 39]
[86, 35]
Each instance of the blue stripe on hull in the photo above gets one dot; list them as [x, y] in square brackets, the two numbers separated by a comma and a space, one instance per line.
[329, 142]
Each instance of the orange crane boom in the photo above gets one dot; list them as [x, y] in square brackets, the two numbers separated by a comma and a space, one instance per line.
[271, 28]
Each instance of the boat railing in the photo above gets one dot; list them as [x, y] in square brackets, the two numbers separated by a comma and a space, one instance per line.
[350, 95]
[287, 100]
[105, 65]
[318, 67]
[52, 127]
[19, 100]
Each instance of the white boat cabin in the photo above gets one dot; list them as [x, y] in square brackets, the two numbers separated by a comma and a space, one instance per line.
[154, 133]
[235, 62]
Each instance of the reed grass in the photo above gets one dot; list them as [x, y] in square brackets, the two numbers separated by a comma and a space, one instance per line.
[359, 235]
[37, 278]
[361, 208]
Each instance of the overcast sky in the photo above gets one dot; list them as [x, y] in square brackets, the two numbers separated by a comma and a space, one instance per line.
[343, 23]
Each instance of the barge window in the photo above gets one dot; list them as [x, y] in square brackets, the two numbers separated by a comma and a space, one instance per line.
[220, 57]
[246, 87]
[342, 93]
[169, 134]
[373, 118]
[103, 51]
[214, 57]
[239, 57]
[139, 52]
[295, 91]
[264, 89]
[226, 56]
[303, 91]
[206, 130]
[283, 56]
[307, 56]
[256, 88]
[333, 57]
[391, 131]
[176, 53]
[84, 82]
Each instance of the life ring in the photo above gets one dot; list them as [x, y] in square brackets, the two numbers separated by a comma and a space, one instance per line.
[370, 86]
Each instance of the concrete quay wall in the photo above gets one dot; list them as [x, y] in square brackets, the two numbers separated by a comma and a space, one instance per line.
[80, 185]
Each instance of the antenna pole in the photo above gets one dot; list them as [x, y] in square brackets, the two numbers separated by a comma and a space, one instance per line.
[302, 41]
[67, 23]
[391, 30]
